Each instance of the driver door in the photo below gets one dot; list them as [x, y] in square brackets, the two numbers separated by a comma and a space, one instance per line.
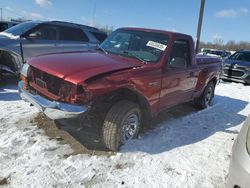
[178, 78]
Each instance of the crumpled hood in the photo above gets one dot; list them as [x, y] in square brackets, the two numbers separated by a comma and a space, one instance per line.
[77, 67]
[240, 63]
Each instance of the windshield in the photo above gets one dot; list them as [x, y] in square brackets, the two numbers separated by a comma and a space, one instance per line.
[21, 28]
[144, 46]
[241, 56]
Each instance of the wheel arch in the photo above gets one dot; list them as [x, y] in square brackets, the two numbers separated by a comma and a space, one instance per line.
[109, 99]
[214, 80]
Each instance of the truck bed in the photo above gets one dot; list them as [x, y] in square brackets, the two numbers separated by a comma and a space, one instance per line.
[205, 59]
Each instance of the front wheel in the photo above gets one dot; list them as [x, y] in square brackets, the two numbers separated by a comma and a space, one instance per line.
[122, 123]
[205, 99]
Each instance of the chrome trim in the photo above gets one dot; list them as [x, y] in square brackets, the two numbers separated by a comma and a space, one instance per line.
[241, 79]
[52, 109]
[233, 79]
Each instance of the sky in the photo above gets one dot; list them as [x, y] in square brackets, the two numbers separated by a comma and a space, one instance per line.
[223, 19]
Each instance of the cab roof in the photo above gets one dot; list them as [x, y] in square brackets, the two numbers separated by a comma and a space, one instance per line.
[155, 30]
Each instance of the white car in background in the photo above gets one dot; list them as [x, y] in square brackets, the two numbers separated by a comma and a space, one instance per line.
[239, 171]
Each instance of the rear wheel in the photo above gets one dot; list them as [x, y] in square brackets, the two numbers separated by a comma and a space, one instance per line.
[121, 124]
[205, 99]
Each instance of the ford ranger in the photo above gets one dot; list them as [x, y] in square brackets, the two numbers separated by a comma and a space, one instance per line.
[135, 74]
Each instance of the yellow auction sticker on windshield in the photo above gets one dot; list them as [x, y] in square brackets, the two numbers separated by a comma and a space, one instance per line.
[156, 45]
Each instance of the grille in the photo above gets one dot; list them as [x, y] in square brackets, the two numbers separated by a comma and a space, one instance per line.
[46, 81]
[237, 67]
[236, 73]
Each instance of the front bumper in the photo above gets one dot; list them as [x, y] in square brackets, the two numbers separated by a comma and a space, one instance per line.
[53, 109]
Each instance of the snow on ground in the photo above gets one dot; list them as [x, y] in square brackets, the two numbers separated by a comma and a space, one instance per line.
[190, 151]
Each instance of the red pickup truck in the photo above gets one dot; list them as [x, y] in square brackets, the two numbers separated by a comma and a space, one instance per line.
[135, 74]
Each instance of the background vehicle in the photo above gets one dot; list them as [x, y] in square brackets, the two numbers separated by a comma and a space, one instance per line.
[216, 53]
[237, 67]
[239, 171]
[7, 24]
[135, 74]
[29, 39]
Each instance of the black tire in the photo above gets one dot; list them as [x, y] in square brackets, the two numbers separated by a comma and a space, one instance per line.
[114, 122]
[206, 98]
[246, 84]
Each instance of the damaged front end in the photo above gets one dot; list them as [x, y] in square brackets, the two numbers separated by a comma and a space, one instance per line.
[57, 98]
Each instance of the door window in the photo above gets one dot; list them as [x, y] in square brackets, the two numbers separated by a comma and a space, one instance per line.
[72, 34]
[100, 36]
[44, 32]
[180, 55]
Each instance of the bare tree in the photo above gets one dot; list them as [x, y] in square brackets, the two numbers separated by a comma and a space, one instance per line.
[231, 45]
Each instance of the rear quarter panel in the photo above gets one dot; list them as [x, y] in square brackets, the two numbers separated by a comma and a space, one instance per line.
[209, 68]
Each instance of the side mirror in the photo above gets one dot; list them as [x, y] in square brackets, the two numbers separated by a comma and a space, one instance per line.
[177, 62]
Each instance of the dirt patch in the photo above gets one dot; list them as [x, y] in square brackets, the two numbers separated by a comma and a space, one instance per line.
[85, 140]
[79, 139]
[3, 181]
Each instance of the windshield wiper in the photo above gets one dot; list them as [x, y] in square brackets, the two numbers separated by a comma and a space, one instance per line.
[133, 55]
[102, 49]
